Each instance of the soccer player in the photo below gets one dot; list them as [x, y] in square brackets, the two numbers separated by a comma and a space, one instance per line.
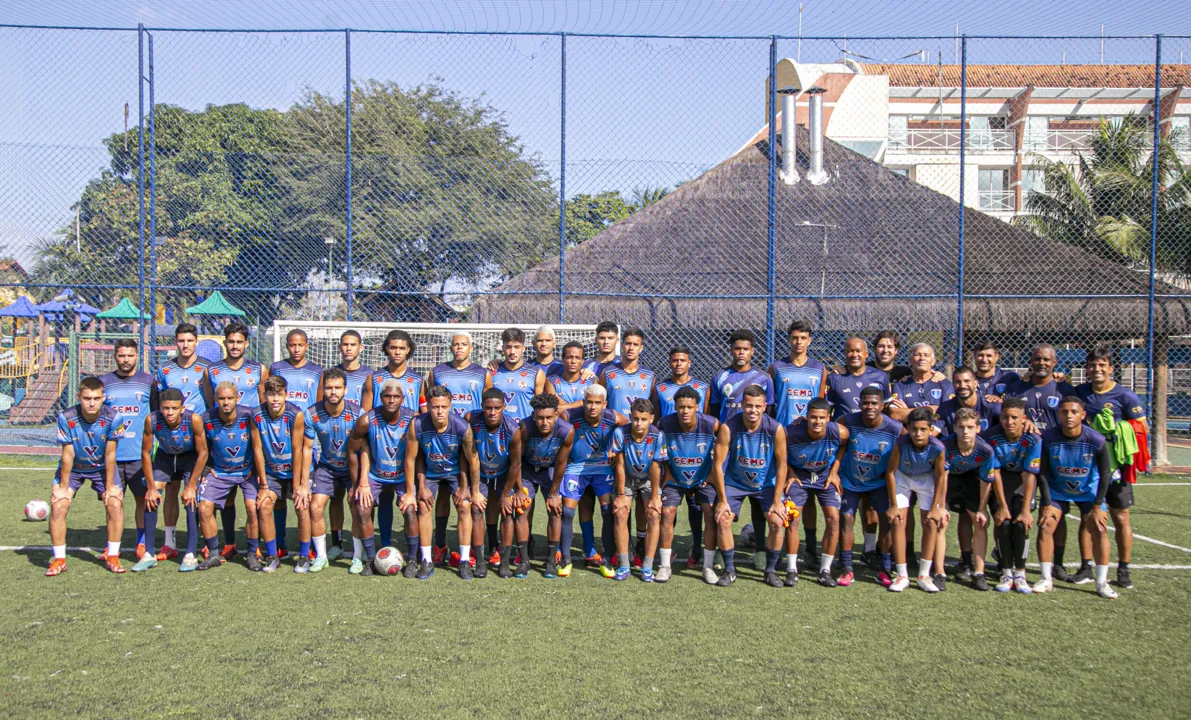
[229, 465]
[87, 434]
[885, 348]
[181, 446]
[587, 466]
[967, 395]
[727, 387]
[1103, 397]
[843, 390]
[248, 376]
[638, 452]
[971, 475]
[606, 335]
[544, 343]
[920, 389]
[399, 348]
[1076, 468]
[991, 380]
[871, 437]
[1019, 453]
[917, 465]
[690, 444]
[359, 391]
[445, 447]
[376, 463]
[328, 423]
[131, 393]
[188, 373]
[304, 388]
[546, 441]
[278, 427]
[812, 451]
[461, 376]
[497, 441]
[569, 379]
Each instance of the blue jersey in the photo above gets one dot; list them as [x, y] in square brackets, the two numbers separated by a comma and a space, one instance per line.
[541, 451]
[597, 368]
[1072, 466]
[811, 459]
[189, 380]
[386, 445]
[843, 391]
[492, 445]
[989, 412]
[1042, 401]
[750, 463]
[567, 391]
[550, 368]
[689, 454]
[624, 387]
[247, 380]
[589, 449]
[922, 394]
[867, 457]
[639, 456]
[410, 381]
[332, 433]
[997, 383]
[518, 387]
[277, 440]
[172, 441]
[1021, 456]
[229, 444]
[982, 460]
[795, 386]
[727, 389]
[357, 380]
[130, 398]
[89, 439]
[1122, 402]
[918, 462]
[301, 383]
[666, 389]
[441, 451]
[466, 386]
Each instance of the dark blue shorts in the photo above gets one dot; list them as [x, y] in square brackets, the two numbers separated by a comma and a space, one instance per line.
[283, 488]
[1085, 506]
[173, 468]
[215, 488]
[97, 481]
[324, 481]
[451, 483]
[827, 495]
[878, 499]
[673, 495]
[573, 486]
[736, 497]
[130, 475]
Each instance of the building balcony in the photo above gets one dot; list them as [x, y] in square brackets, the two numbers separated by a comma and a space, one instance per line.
[933, 141]
[996, 201]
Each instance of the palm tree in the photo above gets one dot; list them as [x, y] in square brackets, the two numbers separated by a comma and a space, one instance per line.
[648, 195]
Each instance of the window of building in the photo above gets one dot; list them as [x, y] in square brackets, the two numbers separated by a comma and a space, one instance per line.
[995, 195]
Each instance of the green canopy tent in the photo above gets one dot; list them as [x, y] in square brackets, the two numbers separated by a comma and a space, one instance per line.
[217, 305]
[123, 310]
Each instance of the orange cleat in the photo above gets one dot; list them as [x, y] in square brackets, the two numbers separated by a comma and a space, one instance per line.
[113, 563]
[453, 561]
[140, 550]
[167, 553]
[312, 554]
[57, 567]
[594, 561]
[228, 552]
[494, 558]
[439, 554]
[206, 552]
[281, 553]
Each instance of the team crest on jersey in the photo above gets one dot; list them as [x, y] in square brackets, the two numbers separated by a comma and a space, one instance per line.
[336, 445]
[611, 374]
[883, 446]
[662, 387]
[392, 452]
[1052, 401]
[1087, 458]
[1073, 485]
[936, 394]
[689, 474]
[864, 469]
[1000, 388]
[232, 451]
[231, 436]
[91, 451]
[728, 389]
[639, 467]
[751, 476]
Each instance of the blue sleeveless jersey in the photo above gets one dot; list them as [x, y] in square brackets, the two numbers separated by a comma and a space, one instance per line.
[129, 398]
[997, 383]
[667, 388]
[689, 454]
[541, 451]
[867, 456]
[811, 459]
[1072, 464]
[569, 392]
[989, 412]
[442, 452]
[247, 380]
[466, 386]
[982, 460]
[794, 387]
[638, 456]
[624, 387]
[301, 382]
[356, 381]
[172, 441]
[187, 380]
[843, 391]
[518, 386]
[89, 439]
[230, 444]
[590, 446]
[727, 389]
[915, 394]
[331, 433]
[750, 454]
[410, 381]
[1042, 401]
[1021, 456]
[492, 445]
[386, 445]
[277, 439]
[918, 462]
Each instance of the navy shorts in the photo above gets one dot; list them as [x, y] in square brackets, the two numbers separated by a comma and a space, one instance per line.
[573, 486]
[736, 497]
[98, 483]
[379, 488]
[282, 487]
[130, 475]
[216, 488]
[673, 495]
[1085, 506]
[324, 481]
[827, 495]
[173, 468]
[450, 482]
[878, 500]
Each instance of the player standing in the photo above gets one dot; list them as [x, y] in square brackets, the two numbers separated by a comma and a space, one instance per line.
[991, 379]
[461, 376]
[359, 391]
[971, 475]
[638, 453]
[544, 343]
[546, 441]
[304, 388]
[278, 427]
[920, 389]
[606, 335]
[885, 348]
[967, 395]
[1019, 453]
[812, 451]
[916, 466]
[328, 423]
[569, 379]
[497, 441]
[131, 393]
[843, 390]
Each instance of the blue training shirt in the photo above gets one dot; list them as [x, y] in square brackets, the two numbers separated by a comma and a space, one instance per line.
[331, 433]
[466, 386]
[277, 439]
[750, 454]
[188, 380]
[442, 452]
[922, 394]
[172, 441]
[589, 448]
[1042, 401]
[301, 382]
[918, 462]
[518, 387]
[666, 389]
[1122, 402]
[982, 460]
[1072, 465]
[727, 389]
[795, 386]
[410, 381]
[811, 459]
[247, 379]
[867, 457]
[357, 380]
[130, 398]
[997, 383]
[229, 444]
[492, 444]
[386, 445]
[624, 387]
[568, 391]
[989, 412]
[541, 451]
[88, 438]
[689, 454]
[1023, 455]
[639, 456]
[843, 391]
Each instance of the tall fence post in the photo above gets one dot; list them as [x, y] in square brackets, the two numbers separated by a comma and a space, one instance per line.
[152, 215]
[347, 47]
[1159, 424]
[963, 151]
[771, 221]
[562, 191]
[140, 174]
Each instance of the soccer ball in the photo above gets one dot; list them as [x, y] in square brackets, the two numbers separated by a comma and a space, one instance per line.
[748, 536]
[37, 510]
[389, 561]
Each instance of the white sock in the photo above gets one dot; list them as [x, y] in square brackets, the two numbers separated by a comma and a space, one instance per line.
[1047, 568]
[113, 548]
[1101, 574]
[924, 568]
[59, 552]
[1021, 574]
[902, 571]
[357, 548]
[464, 553]
[708, 558]
[424, 551]
[870, 542]
[320, 545]
[825, 561]
[665, 554]
[792, 562]
[169, 536]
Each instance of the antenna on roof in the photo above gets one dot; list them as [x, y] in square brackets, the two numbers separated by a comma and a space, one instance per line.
[799, 56]
[1101, 43]
[957, 43]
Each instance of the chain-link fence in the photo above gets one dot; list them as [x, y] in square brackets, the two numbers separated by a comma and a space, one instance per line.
[954, 190]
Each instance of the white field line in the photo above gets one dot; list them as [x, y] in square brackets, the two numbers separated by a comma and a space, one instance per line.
[1069, 517]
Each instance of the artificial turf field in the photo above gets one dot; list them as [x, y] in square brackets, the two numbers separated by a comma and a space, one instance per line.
[231, 643]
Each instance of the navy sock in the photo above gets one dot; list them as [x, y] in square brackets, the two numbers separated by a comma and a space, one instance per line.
[493, 537]
[253, 545]
[845, 559]
[336, 540]
[212, 545]
[150, 532]
[370, 547]
[730, 560]
[568, 534]
[440, 530]
[587, 527]
[771, 557]
[886, 562]
[411, 548]
[192, 532]
[695, 516]
[965, 557]
[140, 532]
[608, 532]
[228, 515]
[280, 515]
[270, 548]
[384, 518]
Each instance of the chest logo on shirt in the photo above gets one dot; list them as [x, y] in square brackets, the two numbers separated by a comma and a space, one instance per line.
[1052, 401]
[1000, 388]
[336, 445]
[728, 389]
[232, 451]
[883, 446]
[278, 446]
[392, 451]
[91, 451]
[936, 394]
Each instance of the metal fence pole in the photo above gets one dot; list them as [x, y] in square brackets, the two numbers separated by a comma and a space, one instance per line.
[963, 151]
[347, 45]
[152, 216]
[771, 222]
[140, 175]
[1154, 238]
[562, 191]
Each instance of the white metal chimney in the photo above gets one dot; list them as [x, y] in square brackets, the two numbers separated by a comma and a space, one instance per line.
[789, 133]
[816, 176]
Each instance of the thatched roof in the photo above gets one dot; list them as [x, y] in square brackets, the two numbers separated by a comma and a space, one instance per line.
[886, 235]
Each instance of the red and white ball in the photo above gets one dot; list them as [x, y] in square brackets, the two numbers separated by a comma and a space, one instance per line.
[37, 510]
[389, 561]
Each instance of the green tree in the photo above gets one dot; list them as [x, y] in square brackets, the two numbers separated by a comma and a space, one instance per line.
[643, 197]
[589, 215]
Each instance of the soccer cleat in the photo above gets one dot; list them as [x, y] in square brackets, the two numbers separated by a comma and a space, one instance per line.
[356, 567]
[772, 580]
[1123, 578]
[425, 570]
[1006, 583]
[759, 561]
[623, 573]
[941, 582]
[140, 550]
[302, 565]
[979, 582]
[57, 567]
[663, 574]
[439, 554]
[884, 579]
[1105, 591]
[282, 553]
[228, 552]
[1044, 585]
[205, 552]
[871, 558]
[494, 558]
[453, 559]
[825, 579]
[726, 579]
[334, 553]
[481, 566]
[167, 553]
[113, 563]
[1084, 575]
[925, 584]
[1021, 585]
[367, 569]
[504, 571]
[318, 564]
[522, 569]
[637, 562]
[213, 561]
[147, 562]
[596, 559]
[271, 563]
[551, 569]
[646, 575]
[709, 576]
[607, 570]
[846, 578]
[311, 553]
[1060, 573]
[900, 583]
[253, 562]
[791, 578]
[189, 563]
[466, 571]
[692, 563]
[963, 573]
[410, 571]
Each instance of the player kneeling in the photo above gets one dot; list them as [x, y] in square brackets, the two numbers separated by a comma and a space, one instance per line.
[916, 465]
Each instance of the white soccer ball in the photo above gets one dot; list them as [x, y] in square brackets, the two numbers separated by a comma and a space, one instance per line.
[37, 510]
[389, 561]
[748, 536]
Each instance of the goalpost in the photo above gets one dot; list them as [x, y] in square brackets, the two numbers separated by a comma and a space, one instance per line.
[432, 340]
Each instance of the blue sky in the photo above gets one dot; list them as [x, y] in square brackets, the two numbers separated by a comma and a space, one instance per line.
[639, 111]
